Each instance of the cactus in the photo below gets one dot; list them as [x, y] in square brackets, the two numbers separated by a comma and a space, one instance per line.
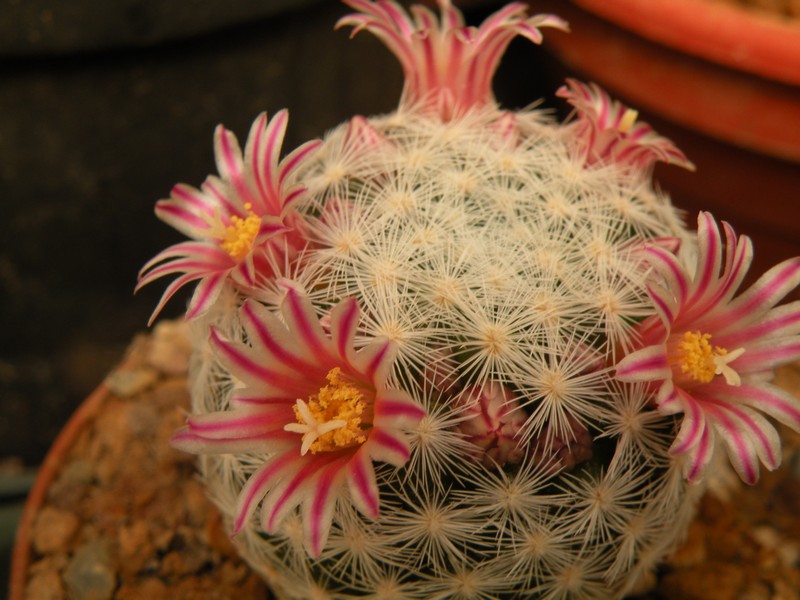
[462, 352]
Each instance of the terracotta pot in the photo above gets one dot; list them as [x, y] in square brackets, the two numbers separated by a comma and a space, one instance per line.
[750, 40]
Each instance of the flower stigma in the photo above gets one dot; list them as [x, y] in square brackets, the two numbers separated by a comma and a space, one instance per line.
[239, 236]
[701, 362]
[331, 418]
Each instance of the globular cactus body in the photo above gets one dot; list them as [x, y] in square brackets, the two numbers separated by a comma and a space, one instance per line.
[459, 352]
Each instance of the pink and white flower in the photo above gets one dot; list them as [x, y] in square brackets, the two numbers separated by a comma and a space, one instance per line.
[712, 354]
[448, 66]
[242, 222]
[606, 131]
[321, 412]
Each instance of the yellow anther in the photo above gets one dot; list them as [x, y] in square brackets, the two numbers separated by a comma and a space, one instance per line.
[331, 418]
[628, 119]
[701, 362]
[238, 237]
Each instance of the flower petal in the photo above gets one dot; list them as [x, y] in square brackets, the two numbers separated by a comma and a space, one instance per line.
[700, 455]
[362, 484]
[765, 293]
[252, 371]
[647, 364]
[388, 446]
[396, 409]
[260, 483]
[239, 423]
[769, 399]
[318, 508]
[186, 440]
[740, 446]
[375, 360]
[290, 491]
[692, 427]
[344, 323]
[205, 294]
[304, 326]
[271, 339]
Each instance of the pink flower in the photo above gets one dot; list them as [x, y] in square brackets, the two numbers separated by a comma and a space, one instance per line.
[606, 131]
[492, 421]
[448, 67]
[321, 412]
[712, 355]
[242, 222]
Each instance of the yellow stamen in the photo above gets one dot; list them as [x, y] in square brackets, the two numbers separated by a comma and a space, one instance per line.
[240, 234]
[331, 418]
[628, 119]
[701, 362]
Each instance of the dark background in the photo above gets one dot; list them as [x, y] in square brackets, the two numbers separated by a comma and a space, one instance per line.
[105, 105]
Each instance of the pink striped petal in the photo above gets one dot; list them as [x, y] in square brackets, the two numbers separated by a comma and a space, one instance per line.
[186, 440]
[251, 397]
[237, 424]
[388, 446]
[296, 158]
[700, 456]
[769, 399]
[692, 427]
[344, 318]
[768, 355]
[260, 482]
[246, 367]
[709, 257]
[290, 491]
[205, 294]
[253, 152]
[199, 256]
[396, 409]
[363, 485]
[741, 450]
[267, 162]
[663, 302]
[182, 218]
[647, 364]
[231, 168]
[765, 293]
[171, 290]
[667, 265]
[375, 360]
[318, 508]
[304, 326]
[780, 321]
[269, 337]
[668, 400]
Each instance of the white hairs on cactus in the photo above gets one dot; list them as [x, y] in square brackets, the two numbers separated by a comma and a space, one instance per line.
[462, 352]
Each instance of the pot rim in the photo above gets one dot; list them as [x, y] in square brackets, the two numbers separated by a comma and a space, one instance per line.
[745, 39]
[49, 469]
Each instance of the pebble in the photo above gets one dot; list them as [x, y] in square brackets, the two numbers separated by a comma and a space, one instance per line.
[45, 585]
[90, 575]
[169, 348]
[53, 530]
[126, 383]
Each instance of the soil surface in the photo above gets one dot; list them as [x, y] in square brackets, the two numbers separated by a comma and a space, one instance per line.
[126, 517]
